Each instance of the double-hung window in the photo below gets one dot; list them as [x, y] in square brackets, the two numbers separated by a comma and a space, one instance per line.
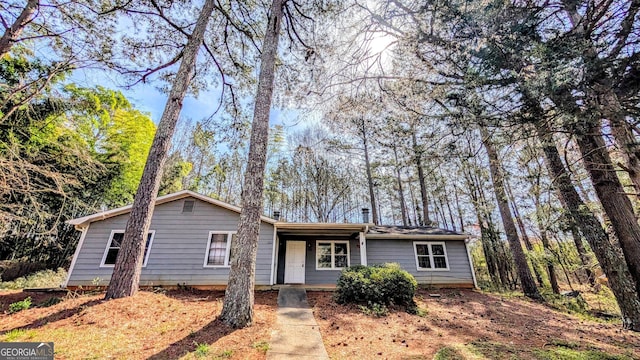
[219, 248]
[114, 244]
[332, 255]
[431, 256]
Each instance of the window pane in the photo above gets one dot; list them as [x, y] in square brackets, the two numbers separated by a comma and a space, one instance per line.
[116, 241]
[146, 245]
[218, 249]
[340, 249]
[324, 249]
[437, 249]
[423, 262]
[422, 249]
[439, 262]
[324, 261]
[111, 257]
[341, 261]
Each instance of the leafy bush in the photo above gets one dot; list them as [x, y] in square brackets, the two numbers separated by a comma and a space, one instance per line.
[20, 305]
[385, 284]
[41, 279]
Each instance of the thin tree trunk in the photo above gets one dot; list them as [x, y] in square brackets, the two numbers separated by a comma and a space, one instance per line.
[524, 274]
[612, 264]
[523, 232]
[12, 33]
[237, 310]
[421, 179]
[582, 253]
[367, 163]
[126, 272]
[460, 217]
[403, 207]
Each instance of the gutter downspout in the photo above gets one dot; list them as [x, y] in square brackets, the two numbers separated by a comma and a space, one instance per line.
[473, 273]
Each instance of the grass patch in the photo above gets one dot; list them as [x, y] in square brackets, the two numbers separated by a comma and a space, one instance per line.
[18, 334]
[563, 353]
[447, 353]
[261, 346]
[20, 305]
[202, 350]
[495, 350]
[227, 354]
[40, 279]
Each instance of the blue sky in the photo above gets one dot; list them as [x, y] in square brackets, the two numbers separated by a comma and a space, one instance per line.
[147, 98]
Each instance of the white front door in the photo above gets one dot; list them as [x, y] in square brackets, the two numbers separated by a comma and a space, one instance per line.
[294, 263]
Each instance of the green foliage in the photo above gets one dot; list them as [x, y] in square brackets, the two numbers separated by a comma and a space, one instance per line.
[262, 346]
[374, 309]
[18, 334]
[376, 285]
[41, 279]
[447, 353]
[20, 305]
[564, 353]
[202, 350]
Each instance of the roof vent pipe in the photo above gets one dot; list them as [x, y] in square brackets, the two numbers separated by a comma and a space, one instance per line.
[365, 215]
[276, 215]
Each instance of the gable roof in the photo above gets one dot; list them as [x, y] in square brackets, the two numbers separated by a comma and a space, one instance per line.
[85, 220]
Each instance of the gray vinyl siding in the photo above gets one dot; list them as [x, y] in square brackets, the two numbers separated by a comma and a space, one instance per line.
[178, 250]
[402, 252]
[324, 277]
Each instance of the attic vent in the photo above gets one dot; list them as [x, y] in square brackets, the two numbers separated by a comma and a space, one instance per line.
[188, 206]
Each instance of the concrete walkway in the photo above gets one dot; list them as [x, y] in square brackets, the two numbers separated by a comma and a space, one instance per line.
[297, 335]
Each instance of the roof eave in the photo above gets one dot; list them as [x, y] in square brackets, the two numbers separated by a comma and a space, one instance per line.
[419, 236]
[84, 221]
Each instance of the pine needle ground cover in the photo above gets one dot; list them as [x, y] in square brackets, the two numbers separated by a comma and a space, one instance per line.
[464, 324]
[150, 325]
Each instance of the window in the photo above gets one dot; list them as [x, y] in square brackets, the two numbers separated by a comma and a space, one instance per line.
[219, 249]
[332, 255]
[113, 246]
[431, 256]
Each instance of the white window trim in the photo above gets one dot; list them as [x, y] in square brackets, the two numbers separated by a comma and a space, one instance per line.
[106, 250]
[333, 259]
[430, 244]
[227, 252]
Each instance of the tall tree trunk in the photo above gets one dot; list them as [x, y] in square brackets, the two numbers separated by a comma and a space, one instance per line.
[126, 273]
[12, 33]
[460, 217]
[582, 253]
[421, 179]
[612, 264]
[615, 203]
[367, 163]
[403, 206]
[629, 148]
[524, 274]
[237, 310]
[523, 231]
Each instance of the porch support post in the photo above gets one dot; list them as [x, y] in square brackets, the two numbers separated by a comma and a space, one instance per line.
[363, 249]
[274, 255]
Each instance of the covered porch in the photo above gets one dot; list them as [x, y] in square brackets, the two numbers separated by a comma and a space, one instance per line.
[313, 254]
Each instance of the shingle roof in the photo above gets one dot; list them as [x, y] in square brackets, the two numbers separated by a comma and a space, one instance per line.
[410, 230]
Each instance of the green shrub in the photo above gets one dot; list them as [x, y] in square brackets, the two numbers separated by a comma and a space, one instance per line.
[20, 305]
[385, 284]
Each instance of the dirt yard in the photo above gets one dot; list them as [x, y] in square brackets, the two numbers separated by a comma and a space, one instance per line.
[459, 324]
[171, 325]
[469, 325]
